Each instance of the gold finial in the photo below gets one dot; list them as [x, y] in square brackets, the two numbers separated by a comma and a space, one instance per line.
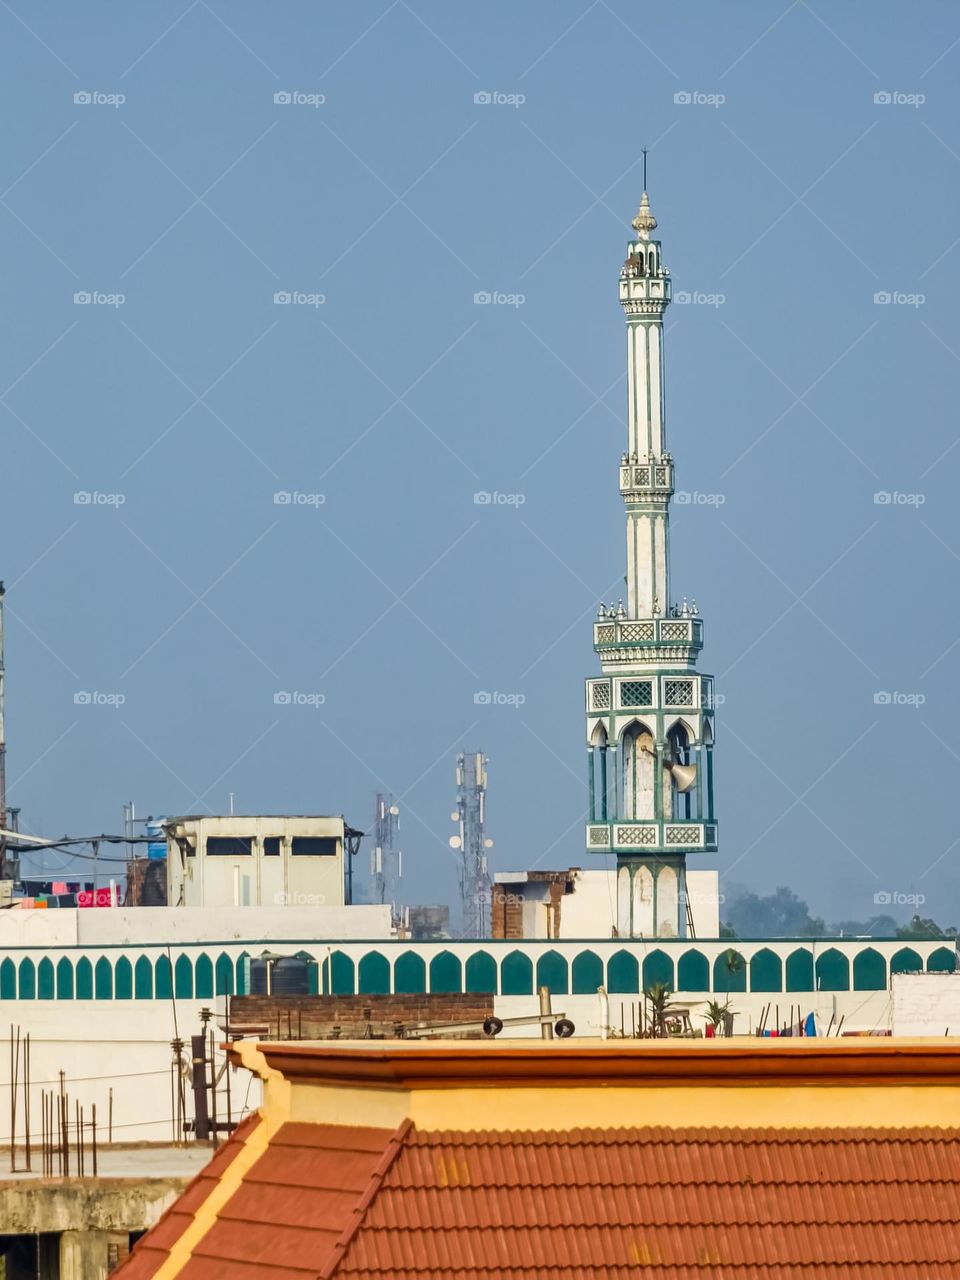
[644, 222]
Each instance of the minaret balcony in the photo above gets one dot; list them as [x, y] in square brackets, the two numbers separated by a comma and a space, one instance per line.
[647, 836]
[648, 478]
[648, 639]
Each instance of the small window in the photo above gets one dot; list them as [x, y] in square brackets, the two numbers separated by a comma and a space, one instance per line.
[314, 846]
[229, 846]
[271, 846]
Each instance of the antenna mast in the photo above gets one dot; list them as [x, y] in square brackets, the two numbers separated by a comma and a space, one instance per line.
[386, 859]
[473, 844]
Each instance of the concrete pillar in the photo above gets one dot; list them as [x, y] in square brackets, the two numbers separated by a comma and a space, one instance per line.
[83, 1255]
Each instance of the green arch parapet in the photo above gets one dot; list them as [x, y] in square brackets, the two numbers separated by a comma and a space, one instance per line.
[869, 970]
[516, 974]
[553, 972]
[203, 977]
[103, 979]
[410, 974]
[446, 977]
[623, 973]
[163, 978]
[587, 973]
[693, 972]
[800, 970]
[64, 979]
[143, 979]
[729, 972]
[27, 979]
[338, 974]
[480, 977]
[373, 974]
[658, 967]
[223, 975]
[766, 971]
[942, 960]
[84, 979]
[906, 960]
[833, 971]
[123, 979]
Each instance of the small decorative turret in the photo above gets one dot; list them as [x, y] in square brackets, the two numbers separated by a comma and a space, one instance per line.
[644, 222]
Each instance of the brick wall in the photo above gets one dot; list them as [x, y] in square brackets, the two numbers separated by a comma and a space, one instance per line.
[353, 1017]
[506, 910]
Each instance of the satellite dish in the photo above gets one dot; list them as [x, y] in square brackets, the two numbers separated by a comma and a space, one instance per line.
[488, 843]
[454, 817]
[454, 842]
[394, 810]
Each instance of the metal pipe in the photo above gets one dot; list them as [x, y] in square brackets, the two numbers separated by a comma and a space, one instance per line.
[546, 1028]
[26, 1098]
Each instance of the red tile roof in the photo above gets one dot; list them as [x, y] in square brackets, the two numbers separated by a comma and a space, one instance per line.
[334, 1201]
[592, 1203]
[153, 1249]
[298, 1204]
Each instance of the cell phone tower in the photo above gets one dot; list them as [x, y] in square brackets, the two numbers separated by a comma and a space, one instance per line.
[473, 844]
[386, 860]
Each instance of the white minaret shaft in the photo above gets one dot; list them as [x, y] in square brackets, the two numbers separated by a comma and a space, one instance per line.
[646, 471]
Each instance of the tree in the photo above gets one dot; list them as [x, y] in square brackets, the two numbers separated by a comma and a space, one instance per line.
[779, 915]
[921, 928]
[877, 927]
[658, 994]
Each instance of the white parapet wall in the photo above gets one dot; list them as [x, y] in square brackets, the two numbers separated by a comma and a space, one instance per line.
[926, 1004]
[131, 926]
[114, 1055]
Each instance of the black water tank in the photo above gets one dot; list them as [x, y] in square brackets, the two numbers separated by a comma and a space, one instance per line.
[258, 977]
[290, 977]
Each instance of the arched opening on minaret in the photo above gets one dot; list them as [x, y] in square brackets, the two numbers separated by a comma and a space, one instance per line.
[707, 762]
[680, 754]
[637, 766]
[603, 782]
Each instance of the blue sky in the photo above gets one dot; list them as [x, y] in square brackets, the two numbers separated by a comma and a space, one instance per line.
[788, 197]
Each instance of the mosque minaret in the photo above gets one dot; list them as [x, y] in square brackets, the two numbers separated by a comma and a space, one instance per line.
[650, 714]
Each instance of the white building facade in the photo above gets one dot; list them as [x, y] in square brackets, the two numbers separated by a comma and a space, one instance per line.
[259, 861]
